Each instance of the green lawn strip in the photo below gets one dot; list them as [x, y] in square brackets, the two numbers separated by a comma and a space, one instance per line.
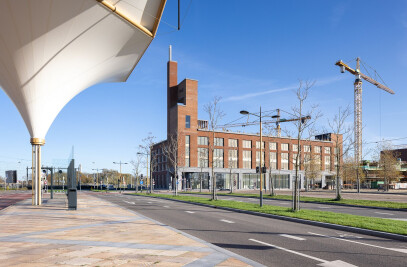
[356, 202]
[371, 223]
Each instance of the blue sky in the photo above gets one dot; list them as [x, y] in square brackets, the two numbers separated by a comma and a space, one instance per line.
[250, 53]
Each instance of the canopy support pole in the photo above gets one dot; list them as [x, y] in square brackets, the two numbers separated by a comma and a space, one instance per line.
[36, 170]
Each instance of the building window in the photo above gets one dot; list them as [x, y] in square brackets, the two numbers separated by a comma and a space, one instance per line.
[232, 142]
[187, 121]
[327, 163]
[317, 149]
[295, 148]
[258, 145]
[307, 149]
[284, 161]
[273, 160]
[218, 142]
[247, 159]
[284, 147]
[247, 144]
[273, 146]
[336, 150]
[233, 159]
[327, 150]
[318, 161]
[203, 156]
[258, 159]
[218, 158]
[187, 142]
[203, 140]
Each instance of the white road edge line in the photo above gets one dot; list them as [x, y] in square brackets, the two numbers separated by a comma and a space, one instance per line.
[293, 237]
[226, 221]
[190, 211]
[384, 213]
[361, 243]
[289, 250]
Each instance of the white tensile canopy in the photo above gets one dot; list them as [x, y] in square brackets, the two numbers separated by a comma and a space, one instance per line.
[51, 50]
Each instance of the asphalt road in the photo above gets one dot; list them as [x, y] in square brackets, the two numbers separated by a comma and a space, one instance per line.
[269, 241]
[8, 198]
[380, 213]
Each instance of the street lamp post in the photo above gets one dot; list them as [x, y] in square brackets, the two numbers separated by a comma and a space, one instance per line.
[244, 112]
[120, 163]
[97, 178]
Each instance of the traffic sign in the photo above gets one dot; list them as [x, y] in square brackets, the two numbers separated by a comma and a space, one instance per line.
[141, 182]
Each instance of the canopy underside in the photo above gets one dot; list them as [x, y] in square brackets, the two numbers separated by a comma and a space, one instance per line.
[51, 50]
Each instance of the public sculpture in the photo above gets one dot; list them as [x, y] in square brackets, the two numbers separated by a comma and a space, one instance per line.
[51, 50]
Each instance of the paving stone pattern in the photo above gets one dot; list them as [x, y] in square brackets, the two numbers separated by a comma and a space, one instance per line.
[99, 233]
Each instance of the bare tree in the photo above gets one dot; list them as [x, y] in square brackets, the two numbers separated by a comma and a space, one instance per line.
[270, 132]
[388, 163]
[343, 142]
[215, 114]
[306, 122]
[136, 164]
[173, 153]
[312, 168]
[348, 170]
[146, 149]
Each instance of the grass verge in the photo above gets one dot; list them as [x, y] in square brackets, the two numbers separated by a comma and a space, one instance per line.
[356, 202]
[371, 223]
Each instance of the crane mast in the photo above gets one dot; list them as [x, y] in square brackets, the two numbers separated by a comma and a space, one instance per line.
[358, 101]
[358, 114]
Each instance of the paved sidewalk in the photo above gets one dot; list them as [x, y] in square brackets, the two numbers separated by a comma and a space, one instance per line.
[98, 234]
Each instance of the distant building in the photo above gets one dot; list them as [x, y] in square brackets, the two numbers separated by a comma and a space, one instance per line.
[235, 154]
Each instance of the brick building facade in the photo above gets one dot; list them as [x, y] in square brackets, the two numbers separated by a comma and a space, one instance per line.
[234, 155]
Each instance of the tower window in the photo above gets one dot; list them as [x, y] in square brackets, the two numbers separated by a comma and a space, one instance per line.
[187, 121]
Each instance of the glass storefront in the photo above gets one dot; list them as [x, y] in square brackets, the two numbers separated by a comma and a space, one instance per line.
[223, 181]
[281, 181]
[193, 180]
[252, 181]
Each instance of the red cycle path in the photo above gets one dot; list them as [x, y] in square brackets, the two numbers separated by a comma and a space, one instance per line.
[7, 199]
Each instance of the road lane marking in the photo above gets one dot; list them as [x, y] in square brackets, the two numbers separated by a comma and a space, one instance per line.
[129, 202]
[283, 203]
[226, 221]
[190, 211]
[149, 202]
[293, 237]
[166, 206]
[323, 262]
[321, 207]
[384, 213]
[361, 243]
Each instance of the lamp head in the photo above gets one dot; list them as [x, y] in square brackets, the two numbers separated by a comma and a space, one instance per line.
[244, 112]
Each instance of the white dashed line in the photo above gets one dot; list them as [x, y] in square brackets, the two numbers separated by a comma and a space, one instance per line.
[166, 206]
[187, 211]
[322, 207]
[226, 221]
[149, 202]
[293, 237]
[357, 242]
[129, 202]
[384, 213]
[323, 262]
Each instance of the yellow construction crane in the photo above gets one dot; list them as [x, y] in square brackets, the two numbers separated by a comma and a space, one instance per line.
[358, 101]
